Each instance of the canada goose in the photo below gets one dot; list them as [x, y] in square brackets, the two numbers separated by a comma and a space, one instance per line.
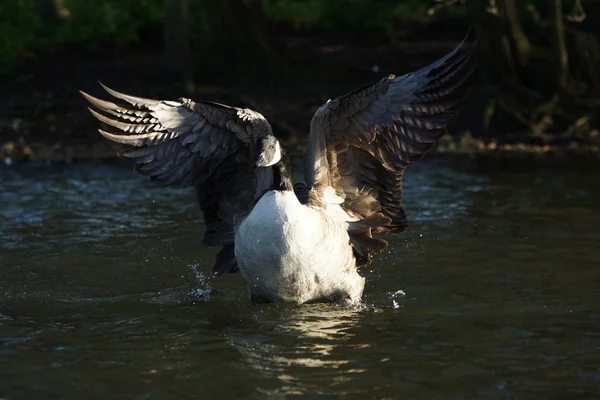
[303, 240]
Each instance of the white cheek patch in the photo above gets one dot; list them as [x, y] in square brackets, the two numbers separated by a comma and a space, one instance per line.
[276, 157]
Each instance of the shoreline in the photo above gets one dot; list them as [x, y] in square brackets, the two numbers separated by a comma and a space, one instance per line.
[13, 154]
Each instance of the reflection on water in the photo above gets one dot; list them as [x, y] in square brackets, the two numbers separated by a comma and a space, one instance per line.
[304, 337]
[319, 326]
[492, 293]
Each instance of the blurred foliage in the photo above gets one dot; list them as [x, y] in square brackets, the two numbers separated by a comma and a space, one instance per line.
[89, 24]
[347, 16]
[25, 33]
[537, 67]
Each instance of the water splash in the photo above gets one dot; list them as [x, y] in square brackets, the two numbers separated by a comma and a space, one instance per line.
[395, 295]
[202, 292]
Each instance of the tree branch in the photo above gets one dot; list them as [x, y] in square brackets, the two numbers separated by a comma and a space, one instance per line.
[559, 43]
[519, 41]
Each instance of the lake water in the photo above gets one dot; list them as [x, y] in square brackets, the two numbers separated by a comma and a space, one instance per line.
[494, 292]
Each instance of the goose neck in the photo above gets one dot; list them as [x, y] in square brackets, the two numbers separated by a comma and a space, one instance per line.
[282, 174]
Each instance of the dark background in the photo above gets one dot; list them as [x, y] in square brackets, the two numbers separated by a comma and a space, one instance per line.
[536, 92]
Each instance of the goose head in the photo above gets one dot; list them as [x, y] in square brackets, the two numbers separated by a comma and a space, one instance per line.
[268, 151]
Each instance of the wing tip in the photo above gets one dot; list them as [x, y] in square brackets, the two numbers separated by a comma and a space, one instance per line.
[109, 90]
[108, 135]
[121, 139]
[133, 100]
[91, 99]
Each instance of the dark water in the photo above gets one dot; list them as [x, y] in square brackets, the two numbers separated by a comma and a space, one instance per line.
[493, 293]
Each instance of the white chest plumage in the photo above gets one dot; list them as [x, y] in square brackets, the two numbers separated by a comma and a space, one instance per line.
[289, 252]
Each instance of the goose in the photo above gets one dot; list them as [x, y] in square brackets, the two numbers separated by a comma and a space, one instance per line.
[294, 236]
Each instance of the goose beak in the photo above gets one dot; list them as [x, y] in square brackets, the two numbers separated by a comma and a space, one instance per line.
[262, 160]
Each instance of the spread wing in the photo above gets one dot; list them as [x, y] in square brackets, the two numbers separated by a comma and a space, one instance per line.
[360, 143]
[204, 145]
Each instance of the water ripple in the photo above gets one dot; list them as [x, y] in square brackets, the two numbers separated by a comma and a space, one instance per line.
[492, 292]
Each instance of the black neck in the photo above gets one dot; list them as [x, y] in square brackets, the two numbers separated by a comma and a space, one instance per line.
[282, 173]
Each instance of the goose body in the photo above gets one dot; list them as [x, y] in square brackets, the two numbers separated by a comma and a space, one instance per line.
[295, 236]
[287, 251]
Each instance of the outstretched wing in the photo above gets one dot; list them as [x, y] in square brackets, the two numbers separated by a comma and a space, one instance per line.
[204, 145]
[360, 143]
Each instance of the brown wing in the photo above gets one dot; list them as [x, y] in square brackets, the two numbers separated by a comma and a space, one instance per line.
[204, 145]
[360, 143]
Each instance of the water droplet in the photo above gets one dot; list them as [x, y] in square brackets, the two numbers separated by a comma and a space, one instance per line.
[202, 292]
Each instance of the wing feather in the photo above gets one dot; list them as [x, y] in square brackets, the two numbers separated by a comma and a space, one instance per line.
[360, 143]
[191, 144]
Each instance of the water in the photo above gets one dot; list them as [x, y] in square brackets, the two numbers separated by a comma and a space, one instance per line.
[494, 292]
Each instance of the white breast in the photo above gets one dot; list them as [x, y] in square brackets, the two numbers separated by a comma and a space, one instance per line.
[288, 251]
[279, 222]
